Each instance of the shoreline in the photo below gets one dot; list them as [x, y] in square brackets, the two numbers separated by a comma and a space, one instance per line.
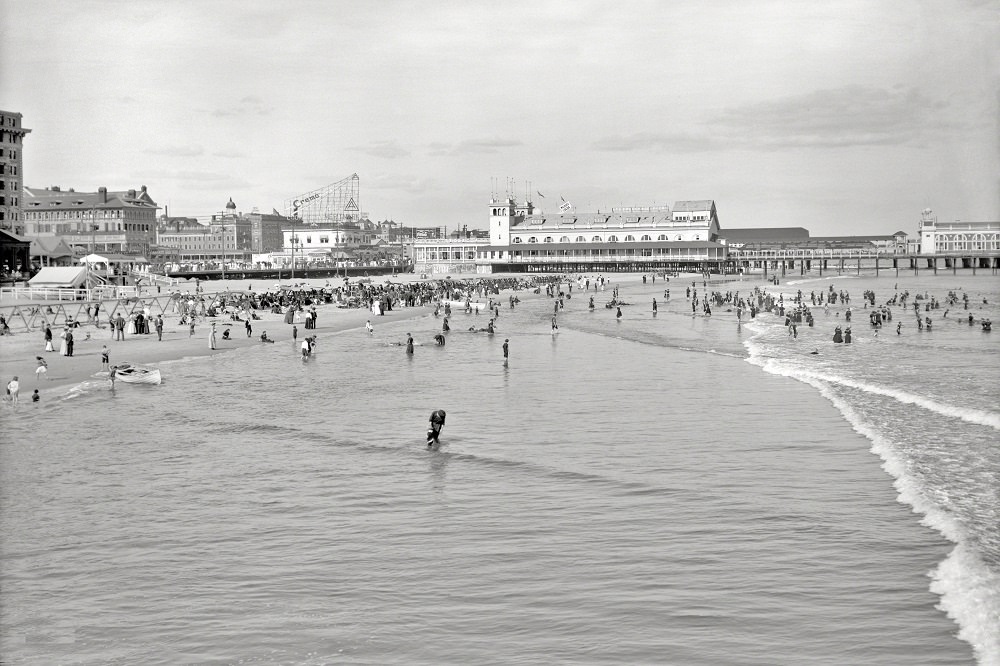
[18, 351]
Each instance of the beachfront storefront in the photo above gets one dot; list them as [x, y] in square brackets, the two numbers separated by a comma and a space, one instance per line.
[447, 255]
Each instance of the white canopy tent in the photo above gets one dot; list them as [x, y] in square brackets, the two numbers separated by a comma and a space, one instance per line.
[93, 259]
[59, 278]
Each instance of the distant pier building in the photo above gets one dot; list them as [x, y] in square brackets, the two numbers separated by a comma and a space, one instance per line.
[688, 237]
[637, 238]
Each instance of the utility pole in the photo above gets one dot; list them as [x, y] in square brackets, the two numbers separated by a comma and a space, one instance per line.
[223, 247]
[293, 248]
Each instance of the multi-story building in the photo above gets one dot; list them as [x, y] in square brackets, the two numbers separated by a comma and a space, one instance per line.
[11, 178]
[944, 237]
[99, 221]
[226, 238]
[265, 231]
[628, 239]
[521, 238]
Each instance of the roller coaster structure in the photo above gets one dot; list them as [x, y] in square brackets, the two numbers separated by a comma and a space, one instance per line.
[333, 205]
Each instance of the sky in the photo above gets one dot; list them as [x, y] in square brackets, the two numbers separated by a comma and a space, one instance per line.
[841, 116]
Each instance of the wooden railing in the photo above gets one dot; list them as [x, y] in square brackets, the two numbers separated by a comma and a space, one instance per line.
[99, 293]
[155, 278]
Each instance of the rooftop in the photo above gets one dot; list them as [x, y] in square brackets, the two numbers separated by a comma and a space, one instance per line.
[59, 199]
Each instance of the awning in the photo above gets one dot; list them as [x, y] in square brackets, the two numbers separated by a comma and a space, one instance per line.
[50, 248]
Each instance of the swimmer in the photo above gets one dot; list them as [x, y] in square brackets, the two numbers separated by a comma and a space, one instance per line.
[435, 426]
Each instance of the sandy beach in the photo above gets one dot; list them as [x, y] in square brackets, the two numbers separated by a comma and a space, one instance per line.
[18, 351]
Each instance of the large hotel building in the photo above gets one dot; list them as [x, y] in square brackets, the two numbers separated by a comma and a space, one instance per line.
[685, 237]
[11, 178]
[523, 239]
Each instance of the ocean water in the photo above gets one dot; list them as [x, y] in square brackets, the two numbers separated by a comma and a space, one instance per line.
[661, 490]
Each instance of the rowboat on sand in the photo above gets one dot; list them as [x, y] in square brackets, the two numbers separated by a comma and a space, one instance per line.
[138, 374]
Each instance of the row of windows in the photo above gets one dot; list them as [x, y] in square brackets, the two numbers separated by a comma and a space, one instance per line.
[620, 252]
[13, 153]
[967, 244]
[597, 239]
[966, 237]
[71, 228]
[444, 254]
[78, 214]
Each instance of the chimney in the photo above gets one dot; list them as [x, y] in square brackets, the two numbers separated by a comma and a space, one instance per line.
[102, 195]
[131, 194]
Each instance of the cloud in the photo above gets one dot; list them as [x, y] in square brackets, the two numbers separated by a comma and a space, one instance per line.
[229, 153]
[657, 142]
[400, 182]
[251, 105]
[841, 117]
[177, 151]
[384, 149]
[848, 116]
[196, 180]
[471, 147]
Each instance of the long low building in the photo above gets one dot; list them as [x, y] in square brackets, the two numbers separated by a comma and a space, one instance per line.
[524, 239]
[686, 237]
[611, 256]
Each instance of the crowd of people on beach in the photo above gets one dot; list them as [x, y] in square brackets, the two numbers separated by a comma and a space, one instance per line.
[300, 303]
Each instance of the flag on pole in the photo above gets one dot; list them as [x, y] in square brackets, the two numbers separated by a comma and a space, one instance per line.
[539, 194]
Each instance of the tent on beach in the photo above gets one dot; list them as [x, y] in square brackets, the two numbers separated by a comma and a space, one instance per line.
[94, 259]
[59, 277]
[51, 251]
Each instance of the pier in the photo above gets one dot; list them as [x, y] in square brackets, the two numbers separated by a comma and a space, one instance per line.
[828, 261]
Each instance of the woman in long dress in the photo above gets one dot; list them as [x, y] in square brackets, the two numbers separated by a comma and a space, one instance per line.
[131, 325]
[63, 348]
